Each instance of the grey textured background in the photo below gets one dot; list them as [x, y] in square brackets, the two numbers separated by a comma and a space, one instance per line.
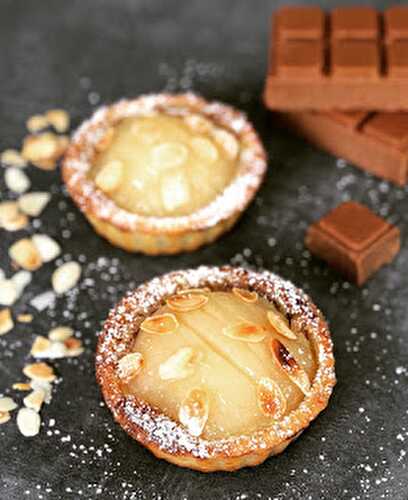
[79, 53]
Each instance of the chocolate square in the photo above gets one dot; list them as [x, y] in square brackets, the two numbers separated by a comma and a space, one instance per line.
[300, 58]
[396, 23]
[398, 59]
[354, 240]
[355, 59]
[354, 23]
[300, 23]
[391, 128]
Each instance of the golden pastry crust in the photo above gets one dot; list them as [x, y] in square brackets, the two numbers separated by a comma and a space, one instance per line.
[172, 234]
[167, 438]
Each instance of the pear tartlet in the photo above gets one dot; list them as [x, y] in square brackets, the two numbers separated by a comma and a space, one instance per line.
[215, 368]
[163, 174]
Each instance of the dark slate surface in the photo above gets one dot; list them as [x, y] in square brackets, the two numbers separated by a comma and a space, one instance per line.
[78, 53]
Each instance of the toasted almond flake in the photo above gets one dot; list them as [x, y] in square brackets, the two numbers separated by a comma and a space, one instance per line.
[271, 400]
[73, 347]
[280, 325]
[130, 365]
[4, 417]
[39, 371]
[47, 247]
[66, 277]
[178, 365]
[8, 211]
[28, 422]
[33, 203]
[12, 158]
[21, 279]
[204, 149]
[160, 324]
[197, 123]
[43, 300]
[227, 141]
[46, 387]
[43, 150]
[21, 386]
[60, 333]
[36, 123]
[17, 224]
[245, 331]
[55, 350]
[245, 295]
[168, 155]
[288, 363]
[59, 119]
[109, 176]
[106, 140]
[16, 180]
[35, 400]
[25, 254]
[8, 293]
[25, 318]
[40, 346]
[7, 404]
[6, 321]
[186, 302]
[194, 410]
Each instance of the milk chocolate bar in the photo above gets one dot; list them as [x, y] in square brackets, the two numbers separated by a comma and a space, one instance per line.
[354, 240]
[353, 58]
[375, 142]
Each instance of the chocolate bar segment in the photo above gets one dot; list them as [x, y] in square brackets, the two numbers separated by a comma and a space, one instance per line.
[375, 142]
[341, 60]
[354, 241]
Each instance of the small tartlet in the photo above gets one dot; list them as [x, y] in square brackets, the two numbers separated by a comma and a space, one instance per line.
[152, 234]
[177, 439]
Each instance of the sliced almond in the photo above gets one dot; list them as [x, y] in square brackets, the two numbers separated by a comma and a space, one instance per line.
[6, 321]
[279, 324]
[11, 218]
[40, 346]
[48, 248]
[66, 277]
[59, 119]
[187, 302]
[60, 333]
[194, 410]
[12, 158]
[7, 404]
[21, 279]
[16, 180]
[169, 155]
[106, 140]
[21, 386]
[35, 400]
[204, 149]
[73, 347]
[160, 324]
[130, 365]
[271, 400]
[43, 150]
[197, 123]
[245, 331]
[4, 417]
[45, 387]
[25, 318]
[39, 371]
[25, 254]
[28, 422]
[288, 363]
[8, 293]
[109, 176]
[227, 141]
[245, 295]
[20, 222]
[178, 366]
[36, 123]
[33, 203]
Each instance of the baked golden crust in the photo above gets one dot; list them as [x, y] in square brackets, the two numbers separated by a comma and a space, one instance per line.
[167, 438]
[170, 234]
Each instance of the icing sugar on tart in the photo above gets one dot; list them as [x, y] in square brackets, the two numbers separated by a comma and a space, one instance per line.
[164, 173]
[214, 383]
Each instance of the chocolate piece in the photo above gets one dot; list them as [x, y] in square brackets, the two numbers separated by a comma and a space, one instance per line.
[342, 60]
[376, 142]
[354, 240]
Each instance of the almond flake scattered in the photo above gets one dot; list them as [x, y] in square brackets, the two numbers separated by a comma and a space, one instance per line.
[12, 158]
[8, 293]
[6, 321]
[60, 333]
[59, 119]
[25, 254]
[45, 387]
[39, 371]
[40, 345]
[4, 417]
[36, 123]
[35, 400]
[48, 248]
[25, 318]
[28, 422]
[7, 404]
[73, 346]
[33, 203]
[16, 180]
[43, 300]
[11, 218]
[43, 150]
[21, 386]
[21, 279]
[66, 277]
